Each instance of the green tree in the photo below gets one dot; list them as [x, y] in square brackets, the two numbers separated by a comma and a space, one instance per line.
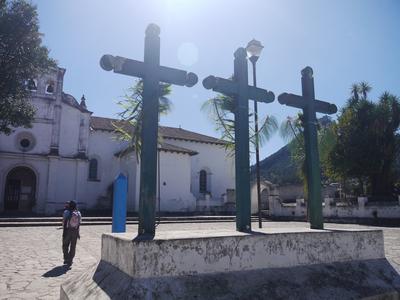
[367, 141]
[130, 125]
[22, 57]
[385, 130]
[220, 110]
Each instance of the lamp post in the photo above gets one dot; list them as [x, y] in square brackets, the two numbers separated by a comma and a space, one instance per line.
[254, 49]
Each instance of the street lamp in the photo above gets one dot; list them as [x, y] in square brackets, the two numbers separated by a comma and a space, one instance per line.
[254, 49]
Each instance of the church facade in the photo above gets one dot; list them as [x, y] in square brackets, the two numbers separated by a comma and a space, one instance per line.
[69, 154]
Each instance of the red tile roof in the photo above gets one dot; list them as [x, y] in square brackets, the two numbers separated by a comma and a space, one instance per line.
[162, 147]
[99, 123]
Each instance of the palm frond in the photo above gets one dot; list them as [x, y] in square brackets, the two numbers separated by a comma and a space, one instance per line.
[364, 89]
[130, 125]
[291, 129]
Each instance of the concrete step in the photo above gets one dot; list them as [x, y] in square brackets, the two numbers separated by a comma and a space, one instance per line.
[105, 219]
[56, 221]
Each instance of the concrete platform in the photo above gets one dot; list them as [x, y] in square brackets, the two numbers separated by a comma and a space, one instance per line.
[266, 264]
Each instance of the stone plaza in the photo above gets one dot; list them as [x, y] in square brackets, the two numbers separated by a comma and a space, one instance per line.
[31, 260]
[192, 261]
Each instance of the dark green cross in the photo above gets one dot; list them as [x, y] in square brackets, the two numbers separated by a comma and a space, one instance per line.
[239, 89]
[152, 73]
[310, 107]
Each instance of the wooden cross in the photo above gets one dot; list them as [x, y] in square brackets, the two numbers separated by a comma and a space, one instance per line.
[239, 89]
[310, 107]
[152, 73]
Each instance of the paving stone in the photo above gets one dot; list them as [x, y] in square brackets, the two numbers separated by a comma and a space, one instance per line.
[28, 253]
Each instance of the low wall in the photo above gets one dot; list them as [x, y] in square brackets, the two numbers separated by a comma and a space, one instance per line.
[331, 209]
[270, 263]
[203, 252]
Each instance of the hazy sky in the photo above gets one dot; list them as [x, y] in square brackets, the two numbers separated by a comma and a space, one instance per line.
[343, 41]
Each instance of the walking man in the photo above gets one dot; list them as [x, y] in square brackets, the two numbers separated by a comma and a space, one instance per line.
[71, 222]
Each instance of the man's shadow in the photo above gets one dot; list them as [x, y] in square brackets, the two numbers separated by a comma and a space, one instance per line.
[57, 271]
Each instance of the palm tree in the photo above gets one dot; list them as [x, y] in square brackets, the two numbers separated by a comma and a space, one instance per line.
[355, 89]
[358, 92]
[292, 130]
[129, 127]
[220, 110]
[364, 89]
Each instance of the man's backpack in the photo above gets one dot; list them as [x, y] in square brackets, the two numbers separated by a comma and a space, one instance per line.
[74, 220]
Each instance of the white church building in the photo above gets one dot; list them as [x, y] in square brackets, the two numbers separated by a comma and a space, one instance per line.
[69, 154]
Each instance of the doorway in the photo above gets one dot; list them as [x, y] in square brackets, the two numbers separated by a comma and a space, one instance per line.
[265, 199]
[20, 190]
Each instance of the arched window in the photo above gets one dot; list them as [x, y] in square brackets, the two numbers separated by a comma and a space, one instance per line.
[203, 181]
[31, 84]
[93, 169]
[50, 87]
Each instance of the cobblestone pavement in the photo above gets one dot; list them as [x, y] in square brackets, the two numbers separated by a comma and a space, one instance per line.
[31, 257]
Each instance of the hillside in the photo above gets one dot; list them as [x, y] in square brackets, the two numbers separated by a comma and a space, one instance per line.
[278, 168]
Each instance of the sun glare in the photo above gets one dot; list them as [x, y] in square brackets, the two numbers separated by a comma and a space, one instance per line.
[182, 7]
[188, 54]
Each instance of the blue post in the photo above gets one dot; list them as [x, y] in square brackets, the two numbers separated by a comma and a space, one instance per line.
[119, 203]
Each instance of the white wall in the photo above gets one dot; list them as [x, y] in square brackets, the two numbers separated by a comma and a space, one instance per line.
[69, 130]
[175, 170]
[331, 210]
[129, 167]
[102, 146]
[216, 161]
[175, 182]
[64, 184]
[271, 189]
[42, 136]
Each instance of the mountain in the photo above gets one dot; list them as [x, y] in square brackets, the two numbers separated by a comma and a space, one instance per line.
[278, 168]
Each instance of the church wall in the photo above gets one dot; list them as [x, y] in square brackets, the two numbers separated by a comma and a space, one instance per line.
[65, 183]
[175, 171]
[219, 166]
[102, 146]
[38, 164]
[44, 108]
[84, 132]
[69, 181]
[39, 134]
[41, 130]
[69, 131]
[42, 134]
[130, 168]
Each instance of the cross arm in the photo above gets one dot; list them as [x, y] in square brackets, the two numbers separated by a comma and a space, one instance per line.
[220, 85]
[131, 67]
[122, 65]
[179, 77]
[300, 102]
[230, 87]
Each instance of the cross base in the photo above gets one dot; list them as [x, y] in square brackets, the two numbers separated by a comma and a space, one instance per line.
[228, 264]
